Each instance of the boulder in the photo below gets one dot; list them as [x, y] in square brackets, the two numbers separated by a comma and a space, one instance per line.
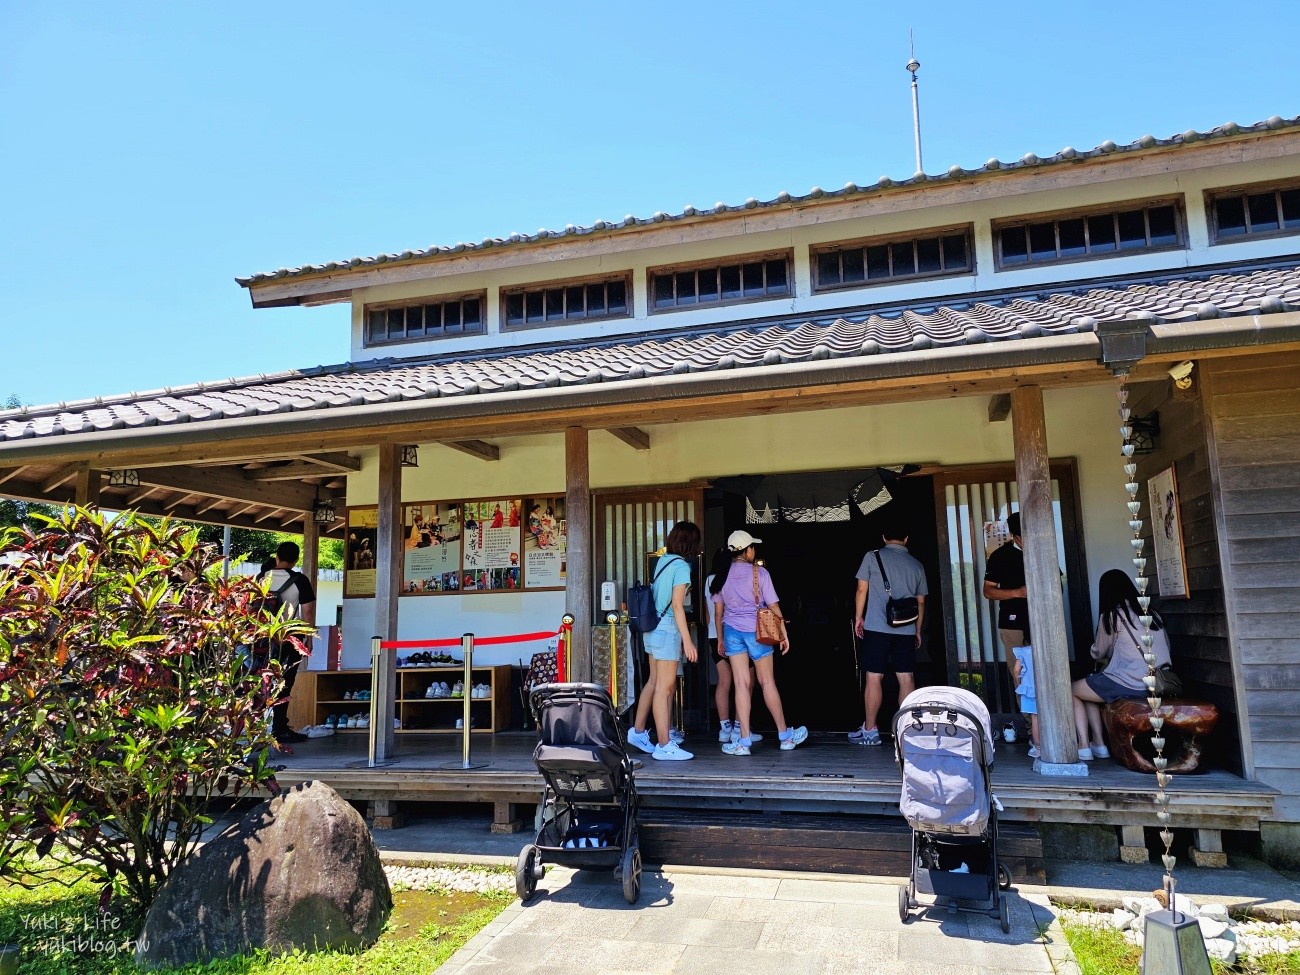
[300, 871]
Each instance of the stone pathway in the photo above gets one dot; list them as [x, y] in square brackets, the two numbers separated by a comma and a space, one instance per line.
[733, 922]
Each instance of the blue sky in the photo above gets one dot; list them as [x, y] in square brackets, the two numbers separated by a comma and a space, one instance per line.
[151, 152]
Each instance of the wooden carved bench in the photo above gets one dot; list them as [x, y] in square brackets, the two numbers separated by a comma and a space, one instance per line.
[1128, 725]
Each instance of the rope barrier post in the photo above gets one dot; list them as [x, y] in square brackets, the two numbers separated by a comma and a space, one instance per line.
[566, 642]
[612, 620]
[467, 648]
[376, 660]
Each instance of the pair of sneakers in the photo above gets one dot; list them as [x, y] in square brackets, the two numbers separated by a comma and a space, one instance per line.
[1096, 751]
[790, 739]
[643, 741]
[730, 733]
[865, 736]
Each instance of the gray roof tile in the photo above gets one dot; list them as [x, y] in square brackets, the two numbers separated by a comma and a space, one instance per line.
[639, 358]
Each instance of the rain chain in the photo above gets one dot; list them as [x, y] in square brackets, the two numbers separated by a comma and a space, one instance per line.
[1141, 581]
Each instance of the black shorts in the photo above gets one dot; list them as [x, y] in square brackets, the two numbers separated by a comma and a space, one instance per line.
[876, 650]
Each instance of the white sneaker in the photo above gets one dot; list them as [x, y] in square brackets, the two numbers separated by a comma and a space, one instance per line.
[735, 748]
[319, 731]
[724, 734]
[754, 736]
[1033, 751]
[798, 738]
[641, 740]
[1085, 754]
[432, 691]
[675, 736]
[1100, 751]
[671, 752]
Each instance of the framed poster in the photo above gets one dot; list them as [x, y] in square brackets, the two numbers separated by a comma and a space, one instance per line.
[359, 558]
[545, 543]
[431, 548]
[490, 555]
[1167, 530]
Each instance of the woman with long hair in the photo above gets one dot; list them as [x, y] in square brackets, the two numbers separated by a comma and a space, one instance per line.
[666, 645]
[729, 730]
[1119, 648]
[739, 614]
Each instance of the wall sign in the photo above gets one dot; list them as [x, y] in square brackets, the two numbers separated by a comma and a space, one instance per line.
[1167, 528]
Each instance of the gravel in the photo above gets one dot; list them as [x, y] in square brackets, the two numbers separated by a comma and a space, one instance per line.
[471, 880]
[1237, 938]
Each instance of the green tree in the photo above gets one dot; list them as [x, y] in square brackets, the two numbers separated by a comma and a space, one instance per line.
[126, 700]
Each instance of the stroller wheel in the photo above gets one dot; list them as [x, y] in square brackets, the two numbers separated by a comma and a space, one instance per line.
[904, 901]
[1004, 877]
[526, 873]
[1004, 914]
[630, 870]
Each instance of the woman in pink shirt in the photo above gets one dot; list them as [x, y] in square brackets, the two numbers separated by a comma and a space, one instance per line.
[736, 612]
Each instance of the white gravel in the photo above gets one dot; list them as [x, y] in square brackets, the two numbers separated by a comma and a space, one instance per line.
[473, 880]
[1228, 940]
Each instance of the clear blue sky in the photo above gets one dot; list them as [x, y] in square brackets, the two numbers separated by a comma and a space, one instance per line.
[150, 152]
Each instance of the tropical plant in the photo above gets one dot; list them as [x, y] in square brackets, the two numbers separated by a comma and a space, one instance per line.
[127, 699]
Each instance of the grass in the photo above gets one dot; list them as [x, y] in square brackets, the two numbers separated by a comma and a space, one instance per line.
[1105, 951]
[425, 929]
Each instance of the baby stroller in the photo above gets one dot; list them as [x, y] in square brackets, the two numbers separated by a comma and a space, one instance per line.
[587, 818]
[943, 741]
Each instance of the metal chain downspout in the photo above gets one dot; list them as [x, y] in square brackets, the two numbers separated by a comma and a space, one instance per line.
[1140, 580]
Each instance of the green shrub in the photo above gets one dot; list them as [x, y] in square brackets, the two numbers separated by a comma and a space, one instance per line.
[126, 699]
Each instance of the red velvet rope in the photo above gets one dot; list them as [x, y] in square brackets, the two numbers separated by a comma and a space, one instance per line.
[484, 641]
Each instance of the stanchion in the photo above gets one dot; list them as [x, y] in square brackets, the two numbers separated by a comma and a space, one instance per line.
[612, 620]
[467, 648]
[376, 661]
[566, 644]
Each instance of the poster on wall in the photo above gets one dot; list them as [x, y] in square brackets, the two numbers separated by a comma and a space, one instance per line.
[490, 559]
[1167, 529]
[431, 548]
[545, 543]
[359, 568]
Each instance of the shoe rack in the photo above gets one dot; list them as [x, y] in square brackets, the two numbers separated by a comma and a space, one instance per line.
[419, 714]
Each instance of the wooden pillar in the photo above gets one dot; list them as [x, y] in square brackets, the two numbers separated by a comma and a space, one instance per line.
[1043, 579]
[388, 585]
[87, 487]
[310, 562]
[577, 510]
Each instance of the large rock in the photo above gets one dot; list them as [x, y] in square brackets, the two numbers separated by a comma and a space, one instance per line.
[299, 871]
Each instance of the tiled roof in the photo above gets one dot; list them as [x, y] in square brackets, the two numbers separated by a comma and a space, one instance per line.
[871, 331]
[884, 184]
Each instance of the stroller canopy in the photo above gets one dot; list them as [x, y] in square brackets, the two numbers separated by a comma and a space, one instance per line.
[944, 744]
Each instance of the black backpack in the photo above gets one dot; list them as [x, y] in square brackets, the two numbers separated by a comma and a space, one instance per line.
[273, 601]
[642, 613]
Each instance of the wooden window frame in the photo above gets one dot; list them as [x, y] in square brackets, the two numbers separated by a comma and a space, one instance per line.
[1244, 190]
[561, 285]
[784, 254]
[998, 227]
[385, 306]
[912, 237]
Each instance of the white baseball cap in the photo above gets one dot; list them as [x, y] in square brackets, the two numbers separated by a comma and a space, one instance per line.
[738, 541]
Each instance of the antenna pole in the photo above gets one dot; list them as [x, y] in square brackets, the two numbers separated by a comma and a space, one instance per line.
[912, 66]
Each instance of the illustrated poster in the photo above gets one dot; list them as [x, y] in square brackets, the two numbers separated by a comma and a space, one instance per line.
[431, 548]
[1167, 529]
[545, 543]
[363, 531]
[491, 550]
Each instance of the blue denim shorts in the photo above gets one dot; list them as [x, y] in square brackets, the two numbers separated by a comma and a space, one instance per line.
[664, 642]
[737, 642]
[1109, 689]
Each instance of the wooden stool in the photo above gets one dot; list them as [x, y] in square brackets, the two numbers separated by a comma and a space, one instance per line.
[1185, 720]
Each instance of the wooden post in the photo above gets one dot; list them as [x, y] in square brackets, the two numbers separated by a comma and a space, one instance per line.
[388, 585]
[310, 562]
[577, 510]
[1043, 580]
[87, 487]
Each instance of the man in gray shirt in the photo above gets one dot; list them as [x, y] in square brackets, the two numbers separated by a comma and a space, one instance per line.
[880, 641]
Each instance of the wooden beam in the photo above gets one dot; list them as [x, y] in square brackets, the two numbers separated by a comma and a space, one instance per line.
[59, 478]
[389, 556]
[999, 407]
[268, 515]
[231, 486]
[87, 487]
[139, 496]
[11, 473]
[634, 437]
[295, 471]
[475, 448]
[337, 461]
[1043, 578]
[311, 565]
[577, 510]
[211, 505]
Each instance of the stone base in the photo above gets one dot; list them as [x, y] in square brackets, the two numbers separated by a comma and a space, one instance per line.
[394, 821]
[1079, 841]
[1079, 769]
[1134, 854]
[1209, 858]
[514, 826]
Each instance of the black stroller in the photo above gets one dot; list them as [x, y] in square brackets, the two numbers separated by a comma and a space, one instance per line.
[587, 818]
[943, 741]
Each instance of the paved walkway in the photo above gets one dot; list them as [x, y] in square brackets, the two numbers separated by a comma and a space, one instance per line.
[752, 923]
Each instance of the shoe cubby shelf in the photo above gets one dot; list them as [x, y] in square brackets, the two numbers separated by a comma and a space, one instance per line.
[420, 714]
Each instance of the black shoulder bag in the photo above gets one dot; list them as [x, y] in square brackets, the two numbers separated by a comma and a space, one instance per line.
[642, 613]
[898, 612]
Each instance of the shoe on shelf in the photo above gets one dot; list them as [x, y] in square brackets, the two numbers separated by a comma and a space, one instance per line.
[735, 748]
[331, 722]
[432, 691]
[319, 731]
[1100, 751]
[798, 737]
[641, 740]
[724, 734]
[1085, 755]
[671, 752]
[865, 736]
[1033, 751]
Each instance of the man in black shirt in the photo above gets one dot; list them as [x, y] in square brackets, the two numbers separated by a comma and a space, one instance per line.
[1004, 583]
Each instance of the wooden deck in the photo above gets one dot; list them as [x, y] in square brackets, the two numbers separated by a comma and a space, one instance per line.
[828, 774]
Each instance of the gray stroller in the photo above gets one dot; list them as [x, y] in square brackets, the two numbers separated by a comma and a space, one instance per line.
[943, 741]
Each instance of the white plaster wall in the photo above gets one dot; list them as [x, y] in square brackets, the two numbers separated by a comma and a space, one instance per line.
[1081, 423]
[823, 227]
